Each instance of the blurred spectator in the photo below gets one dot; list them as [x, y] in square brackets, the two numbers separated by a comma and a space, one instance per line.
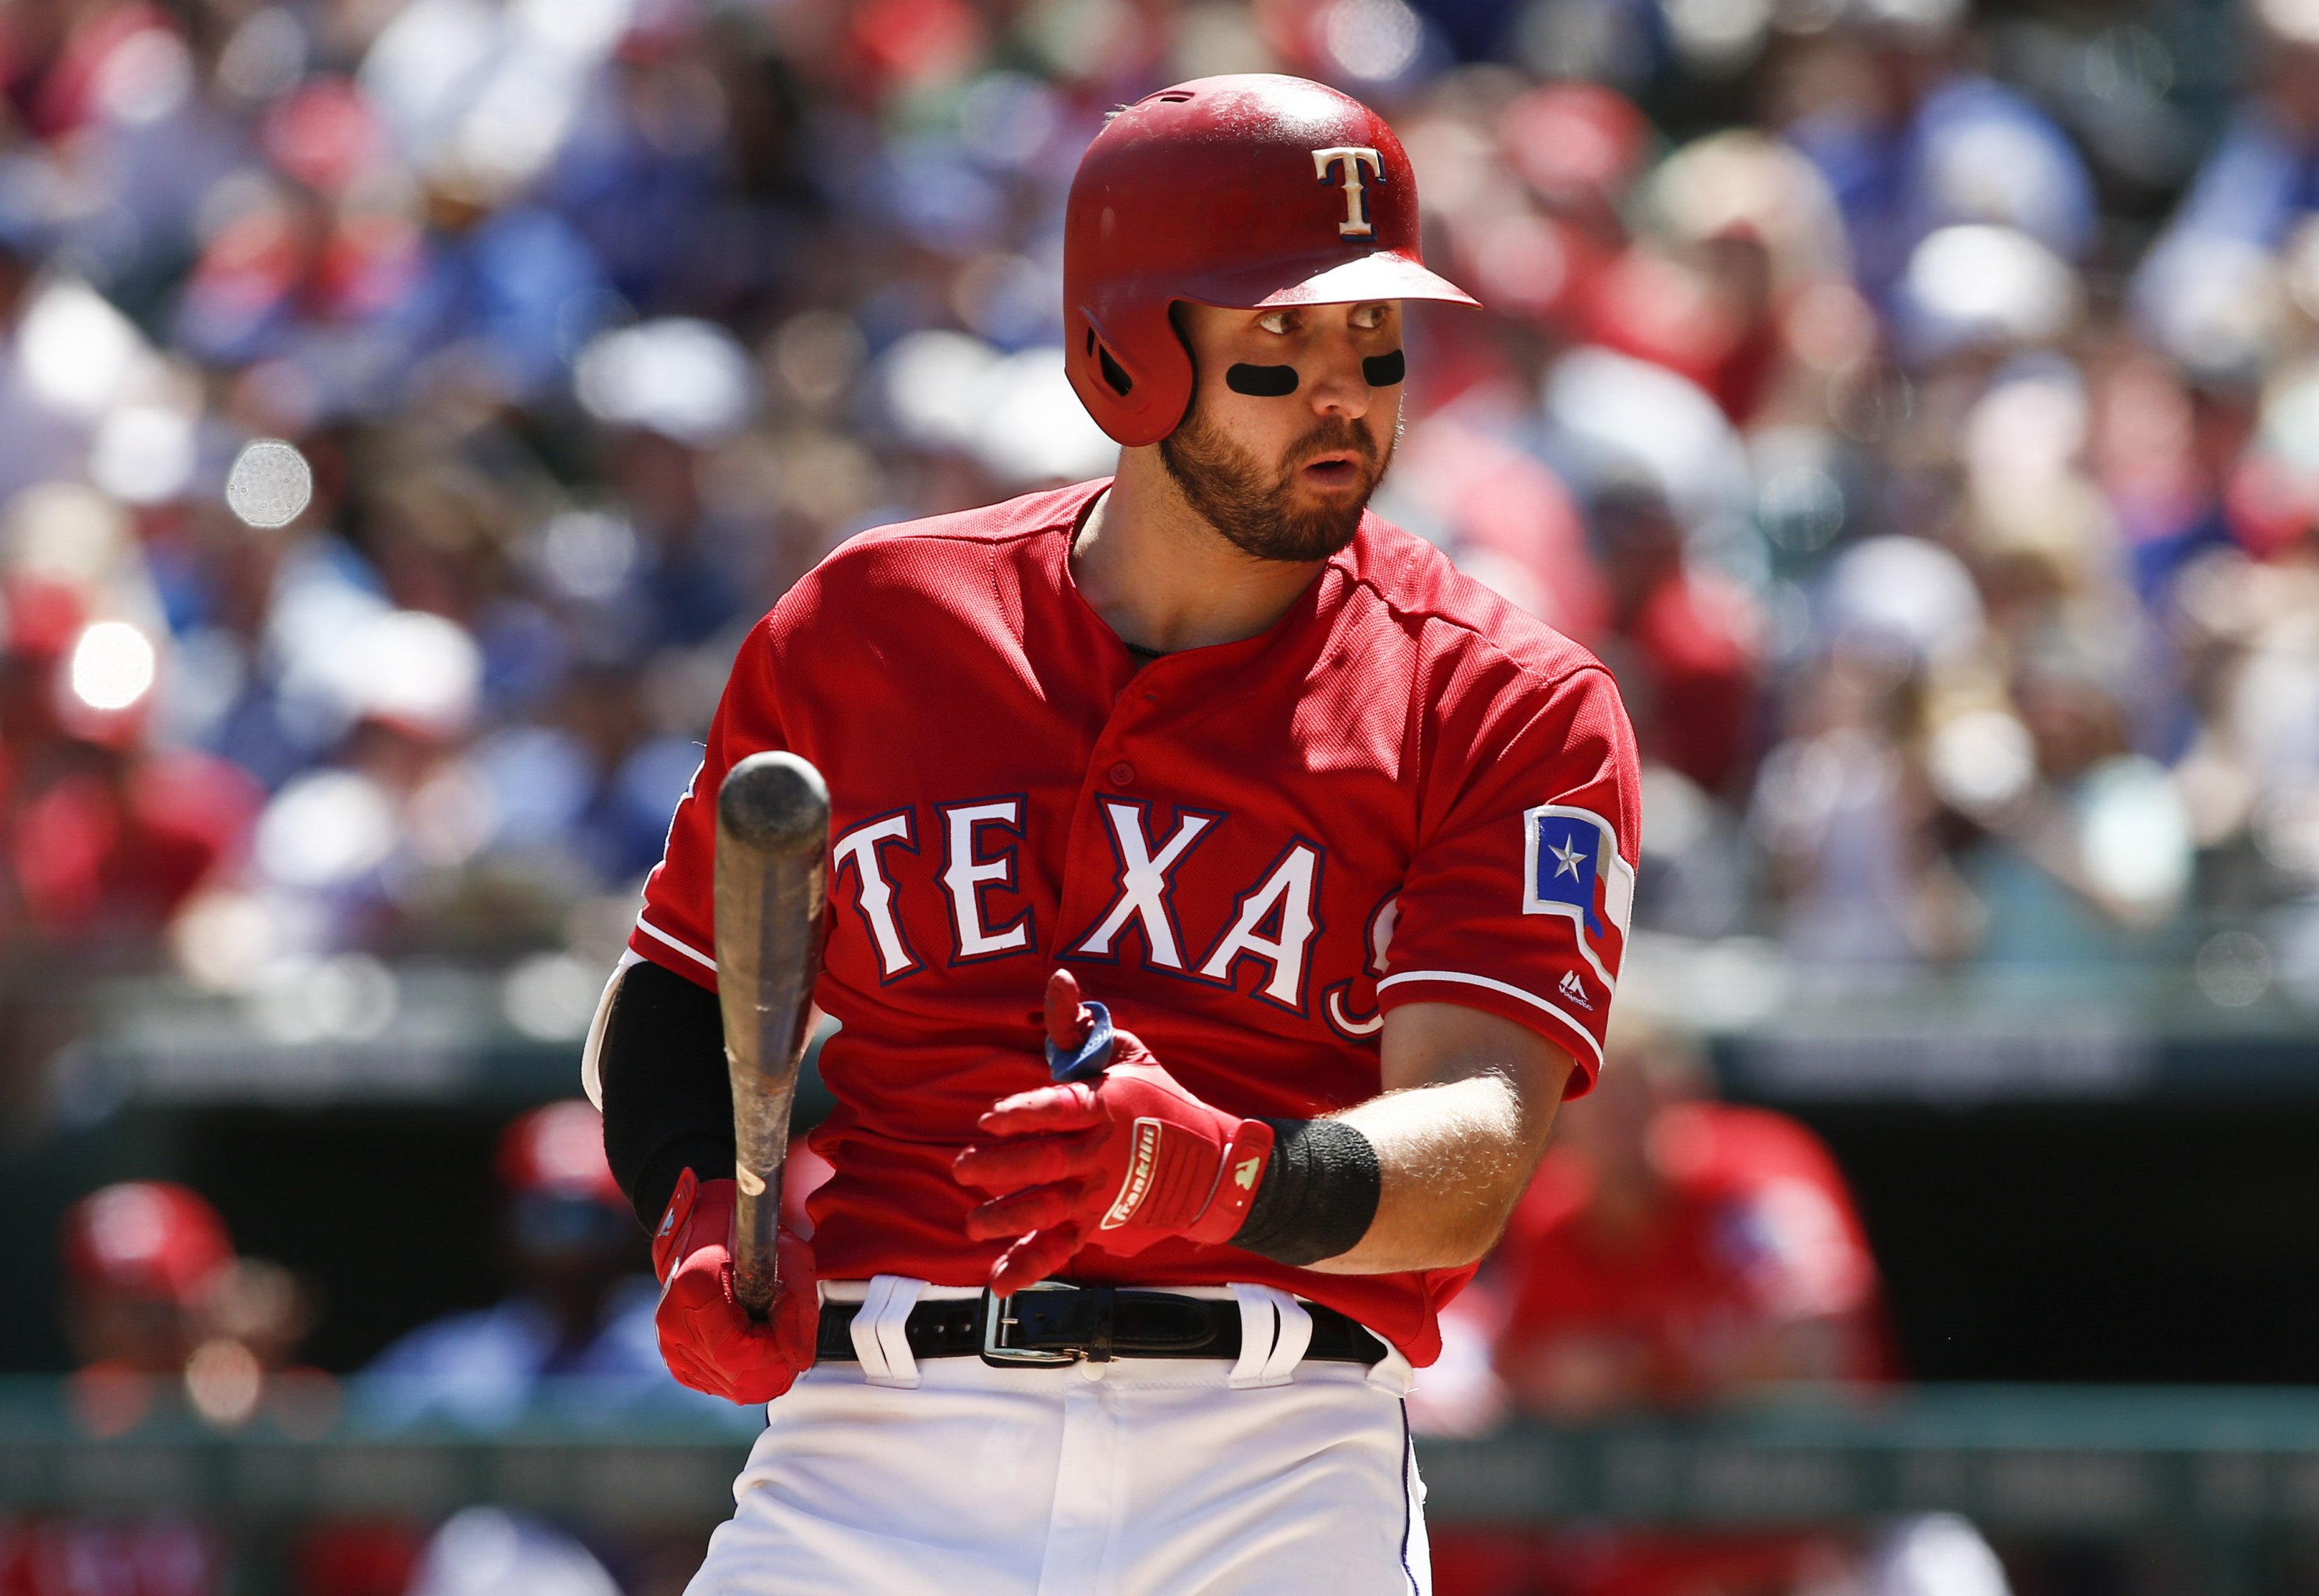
[583, 1306]
[1681, 639]
[106, 835]
[109, 841]
[2165, 449]
[160, 1313]
[1927, 1555]
[2093, 849]
[159, 1310]
[668, 394]
[139, 1259]
[1893, 107]
[67, 357]
[344, 850]
[484, 1551]
[1743, 233]
[109, 1556]
[1842, 806]
[1673, 1253]
[2207, 293]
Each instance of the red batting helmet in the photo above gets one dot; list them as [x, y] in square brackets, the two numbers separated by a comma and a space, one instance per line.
[1248, 191]
[145, 1238]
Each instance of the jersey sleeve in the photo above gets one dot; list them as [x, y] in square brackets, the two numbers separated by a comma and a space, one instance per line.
[1518, 898]
[677, 928]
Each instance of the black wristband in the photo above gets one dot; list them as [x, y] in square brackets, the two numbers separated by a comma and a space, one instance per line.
[1318, 1194]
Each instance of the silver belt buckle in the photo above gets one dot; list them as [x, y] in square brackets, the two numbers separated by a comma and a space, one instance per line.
[998, 1318]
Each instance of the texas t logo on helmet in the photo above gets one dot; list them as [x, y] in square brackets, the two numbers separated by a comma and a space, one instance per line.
[1252, 192]
[1351, 158]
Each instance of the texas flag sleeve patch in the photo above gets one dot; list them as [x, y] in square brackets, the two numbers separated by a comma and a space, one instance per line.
[1518, 901]
[1572, 867]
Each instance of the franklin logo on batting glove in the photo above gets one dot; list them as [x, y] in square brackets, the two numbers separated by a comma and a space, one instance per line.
[1138, 1175]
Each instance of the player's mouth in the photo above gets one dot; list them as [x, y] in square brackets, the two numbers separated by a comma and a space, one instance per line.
[1339, 470]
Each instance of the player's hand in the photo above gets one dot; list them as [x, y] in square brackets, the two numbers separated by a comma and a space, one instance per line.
[1122, 1161]
[709, 1339]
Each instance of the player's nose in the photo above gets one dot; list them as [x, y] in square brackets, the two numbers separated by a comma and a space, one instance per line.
[1336, 385]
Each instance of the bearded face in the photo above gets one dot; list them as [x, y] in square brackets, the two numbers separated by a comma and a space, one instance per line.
[1303, 506]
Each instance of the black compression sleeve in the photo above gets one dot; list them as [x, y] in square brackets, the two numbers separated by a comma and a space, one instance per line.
[668, 1102]
[1318, 1194]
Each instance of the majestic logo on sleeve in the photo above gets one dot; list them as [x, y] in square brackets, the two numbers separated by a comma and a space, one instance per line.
[1572, 869]
[1352, 158]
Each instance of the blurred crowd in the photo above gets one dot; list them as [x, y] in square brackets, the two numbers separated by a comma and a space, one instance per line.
[404, 404]
[1917, 410]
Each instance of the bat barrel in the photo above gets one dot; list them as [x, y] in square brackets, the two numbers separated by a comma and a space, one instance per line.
[774, 803]
[772, 857]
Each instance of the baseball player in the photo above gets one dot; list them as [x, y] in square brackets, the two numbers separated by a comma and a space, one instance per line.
[1224, 894]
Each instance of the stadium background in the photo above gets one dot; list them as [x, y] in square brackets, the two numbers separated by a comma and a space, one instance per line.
[1915, 403]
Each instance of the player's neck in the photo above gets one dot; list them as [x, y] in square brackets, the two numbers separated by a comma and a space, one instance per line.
[1163, 579]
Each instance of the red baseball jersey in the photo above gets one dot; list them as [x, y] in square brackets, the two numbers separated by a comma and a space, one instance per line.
[1404, 790]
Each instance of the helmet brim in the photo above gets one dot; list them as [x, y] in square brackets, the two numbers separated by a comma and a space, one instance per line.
[1386, 275]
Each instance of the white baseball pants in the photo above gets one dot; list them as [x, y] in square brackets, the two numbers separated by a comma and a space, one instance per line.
[1137, 1477]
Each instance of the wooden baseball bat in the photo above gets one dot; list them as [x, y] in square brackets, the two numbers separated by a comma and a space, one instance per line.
[773, 878]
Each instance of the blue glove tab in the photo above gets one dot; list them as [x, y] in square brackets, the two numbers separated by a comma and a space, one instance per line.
[1086, 1061]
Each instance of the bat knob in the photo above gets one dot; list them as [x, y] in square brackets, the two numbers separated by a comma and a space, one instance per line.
[1087, 1060]
[776, 802]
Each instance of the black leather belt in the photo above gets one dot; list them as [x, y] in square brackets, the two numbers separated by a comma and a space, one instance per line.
[1059, 1324]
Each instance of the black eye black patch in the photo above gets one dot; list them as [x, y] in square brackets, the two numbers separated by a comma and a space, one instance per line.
[1383, 371]
[1261, 382]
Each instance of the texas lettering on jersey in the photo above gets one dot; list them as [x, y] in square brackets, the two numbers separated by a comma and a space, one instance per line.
[1402, 791]
[1275, 924]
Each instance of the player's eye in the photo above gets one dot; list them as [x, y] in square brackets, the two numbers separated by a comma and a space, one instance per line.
[1369, 318]
[1280, 321]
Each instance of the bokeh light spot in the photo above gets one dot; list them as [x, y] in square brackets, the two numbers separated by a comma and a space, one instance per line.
[1375, 40]
[112, 666]
[270, 484]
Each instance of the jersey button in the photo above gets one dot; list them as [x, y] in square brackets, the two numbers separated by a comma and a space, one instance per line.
[1122, 775]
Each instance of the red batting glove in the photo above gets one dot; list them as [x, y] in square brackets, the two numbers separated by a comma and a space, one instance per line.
[709, 1339]
[1122, 1161]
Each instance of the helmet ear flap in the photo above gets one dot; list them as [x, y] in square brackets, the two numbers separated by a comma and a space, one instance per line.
[1138, 385]
[1121, 382]
[1109, 369]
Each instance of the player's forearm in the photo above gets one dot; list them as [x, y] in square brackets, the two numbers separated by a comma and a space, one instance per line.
[668, 1106]
[1469, 1098]
[1452, 1159]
